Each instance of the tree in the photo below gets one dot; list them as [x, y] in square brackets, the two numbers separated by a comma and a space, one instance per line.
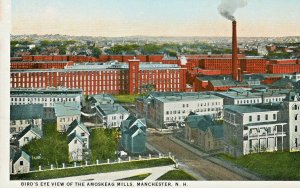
[103, 144]
[62, 50]
[96, 52]
[148, 88]
[35, 51]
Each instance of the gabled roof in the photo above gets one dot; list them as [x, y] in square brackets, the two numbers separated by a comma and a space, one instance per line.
[221, 83]
[34, 129]
[74, 124]
[217, 131]
[283, 83]
[137, 132]
[205, 122]
[129, 126]
[73, 136]
[16, 153]
[28, 111]
[199, 121]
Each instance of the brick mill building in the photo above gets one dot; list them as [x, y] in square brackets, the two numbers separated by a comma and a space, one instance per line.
[110, 77]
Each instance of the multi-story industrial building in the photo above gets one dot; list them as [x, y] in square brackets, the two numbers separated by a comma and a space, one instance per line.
[45, 96]
[248, 97]
[173, 108]
[95, 78]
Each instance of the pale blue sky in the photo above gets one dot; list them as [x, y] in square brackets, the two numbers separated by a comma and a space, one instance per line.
[153, 17]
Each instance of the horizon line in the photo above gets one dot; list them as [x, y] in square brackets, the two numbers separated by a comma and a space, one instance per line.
[154, 36]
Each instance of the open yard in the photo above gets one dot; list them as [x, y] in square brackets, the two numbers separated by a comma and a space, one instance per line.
[52, 148]
[272, 166]
[136, 178]
[176, 175]
[126, 98]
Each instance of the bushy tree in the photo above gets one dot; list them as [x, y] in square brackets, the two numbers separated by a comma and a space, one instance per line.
[103, 143]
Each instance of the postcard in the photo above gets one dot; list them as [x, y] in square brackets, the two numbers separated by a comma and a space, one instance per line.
[150, 93]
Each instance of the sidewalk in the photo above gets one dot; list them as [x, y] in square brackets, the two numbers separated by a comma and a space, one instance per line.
[215, 160]
[156, 172]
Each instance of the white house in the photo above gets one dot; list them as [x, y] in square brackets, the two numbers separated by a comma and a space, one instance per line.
[79, 129]
[23, 115]
[65, 114]
[292, 116]
[249, 129]
[111, 115]
[76, 146]
[19, 161]
[29, 133]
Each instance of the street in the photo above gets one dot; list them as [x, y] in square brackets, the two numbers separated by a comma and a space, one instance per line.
[199, 167]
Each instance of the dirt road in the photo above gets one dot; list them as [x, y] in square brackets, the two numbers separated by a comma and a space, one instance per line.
[198, 166]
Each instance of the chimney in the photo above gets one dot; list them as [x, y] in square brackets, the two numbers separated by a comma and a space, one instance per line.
[240, 76]
[234, 53]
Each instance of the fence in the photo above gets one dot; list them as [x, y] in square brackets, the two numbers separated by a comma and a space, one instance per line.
[98, 162]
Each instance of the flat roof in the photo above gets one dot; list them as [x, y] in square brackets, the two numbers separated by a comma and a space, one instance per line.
[185, 98]
[103, 66]
[45, 92]
[27, 111]
[239, 95]
[241, 109]
[67, 109]
[107, 109]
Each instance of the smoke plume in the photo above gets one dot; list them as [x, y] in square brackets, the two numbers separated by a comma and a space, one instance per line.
[228, 7]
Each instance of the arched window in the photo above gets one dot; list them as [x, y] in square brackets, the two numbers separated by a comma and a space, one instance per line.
[294, 107]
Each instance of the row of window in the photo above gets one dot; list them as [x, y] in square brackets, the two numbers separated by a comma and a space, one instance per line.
[67, 119]
[197, 110]
[42, 99]
[258, 117]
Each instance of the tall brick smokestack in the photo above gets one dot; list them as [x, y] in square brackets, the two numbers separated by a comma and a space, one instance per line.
[234, 53]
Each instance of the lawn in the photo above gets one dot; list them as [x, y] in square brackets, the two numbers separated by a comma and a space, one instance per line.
[52, 148]
[176, 175]
[51, 174]
[126, 98]
[272, 166]
[136, 178]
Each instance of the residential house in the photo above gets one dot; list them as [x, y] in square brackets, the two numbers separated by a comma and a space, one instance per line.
[254, 128]
[23, 115]
[76, 146]
[111, 115]
[204, 132]
[292, 117]
[133, 135]
[80, 129]
[29, 133]
[19, 161]
[65, 114]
